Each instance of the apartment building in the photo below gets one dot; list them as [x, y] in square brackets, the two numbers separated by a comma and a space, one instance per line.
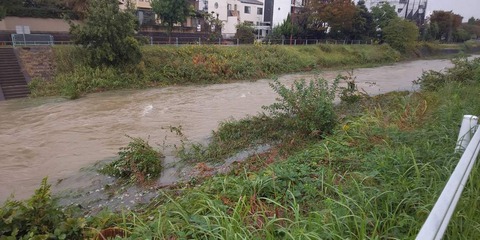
[146, 16]
[413, 10]
[230, 13]
[234, 12]
[276, 11]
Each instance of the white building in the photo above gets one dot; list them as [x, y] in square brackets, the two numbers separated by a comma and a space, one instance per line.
[281, 10]
[414, 10]
[234, 12]
[277, 11]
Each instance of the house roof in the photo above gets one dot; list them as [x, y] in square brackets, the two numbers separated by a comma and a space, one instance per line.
[252, 2]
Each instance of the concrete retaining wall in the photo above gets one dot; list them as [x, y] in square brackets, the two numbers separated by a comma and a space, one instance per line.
[38, 62]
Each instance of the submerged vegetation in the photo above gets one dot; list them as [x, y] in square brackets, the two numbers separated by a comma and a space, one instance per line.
[376, 175]
[138, 163]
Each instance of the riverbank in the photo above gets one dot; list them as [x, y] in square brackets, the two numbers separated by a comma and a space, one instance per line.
[69, 76]
[376, 175]
[80, 133]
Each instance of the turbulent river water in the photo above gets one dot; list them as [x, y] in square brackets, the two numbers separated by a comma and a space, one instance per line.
[56, 138]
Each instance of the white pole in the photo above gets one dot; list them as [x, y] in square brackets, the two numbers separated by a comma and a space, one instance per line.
[466, 132]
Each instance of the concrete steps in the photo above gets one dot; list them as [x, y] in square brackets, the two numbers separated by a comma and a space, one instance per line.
[12, 81]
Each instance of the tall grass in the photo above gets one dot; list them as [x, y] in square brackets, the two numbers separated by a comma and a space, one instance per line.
[169, 65]
[376, 177]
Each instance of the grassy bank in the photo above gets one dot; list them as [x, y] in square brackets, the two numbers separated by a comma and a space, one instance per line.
[170, 65]
[374, 175]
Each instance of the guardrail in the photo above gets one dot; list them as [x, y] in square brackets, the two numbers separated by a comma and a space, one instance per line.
[177, 41]
[31, 39]
[438, 219]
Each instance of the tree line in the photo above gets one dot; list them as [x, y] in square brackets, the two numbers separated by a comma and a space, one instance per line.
[345, 20]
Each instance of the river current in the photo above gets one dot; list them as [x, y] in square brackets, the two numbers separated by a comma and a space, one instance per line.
[55, 137]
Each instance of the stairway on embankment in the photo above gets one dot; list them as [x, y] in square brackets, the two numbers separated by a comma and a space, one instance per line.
[12, 80]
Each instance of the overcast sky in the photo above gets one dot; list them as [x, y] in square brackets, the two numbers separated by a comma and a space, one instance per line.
[466, 8]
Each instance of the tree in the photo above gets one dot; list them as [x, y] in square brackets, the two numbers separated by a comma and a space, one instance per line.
[3, 12]
[212, 25]
[79, 7]
[461, 35]
[431, 32]
[363, 25]
[473, 30]
[287, 28]
[382, 15]
[6, 5]
[401, 34]
[245, 33]
[171, 11]
[337, 16]
[107, 34]
[447, 22]
[471, 21]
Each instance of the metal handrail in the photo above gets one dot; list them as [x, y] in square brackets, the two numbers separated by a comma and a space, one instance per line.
[438, 219]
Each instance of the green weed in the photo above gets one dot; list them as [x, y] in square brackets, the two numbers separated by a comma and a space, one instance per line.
[39, 218]
[376, 177]
[169, 65]
[138, 162]
[301, 112]
[465, 71]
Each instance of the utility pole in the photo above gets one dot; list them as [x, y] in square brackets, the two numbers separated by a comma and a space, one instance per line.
[406, 10]
[292, 9]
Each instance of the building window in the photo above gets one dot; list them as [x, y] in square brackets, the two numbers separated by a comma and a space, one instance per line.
[229, 7]
[216, 5]
[247, 9]
[260, 11]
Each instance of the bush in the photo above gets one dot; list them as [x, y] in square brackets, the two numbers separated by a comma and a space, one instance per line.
[245, 33]
[138, 162]
[401, 35]
[38, 218]
[3, 12]
[303, 112]
[307, 107]
[464, 71]
[108, 35]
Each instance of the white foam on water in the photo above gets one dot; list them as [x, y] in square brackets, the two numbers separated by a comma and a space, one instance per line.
[147, 109]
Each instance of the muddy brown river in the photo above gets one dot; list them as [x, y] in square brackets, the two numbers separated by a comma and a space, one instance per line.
[56, 138]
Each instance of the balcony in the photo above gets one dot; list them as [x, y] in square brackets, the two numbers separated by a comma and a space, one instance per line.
[233, 13]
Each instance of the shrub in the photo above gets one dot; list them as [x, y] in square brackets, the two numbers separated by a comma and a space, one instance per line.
[401, 35]
[307, 107]
[3, 12]
[245, 33]
[138, 162]
[108, 34]
[303, 112]
[38, 218]
[464, 71]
